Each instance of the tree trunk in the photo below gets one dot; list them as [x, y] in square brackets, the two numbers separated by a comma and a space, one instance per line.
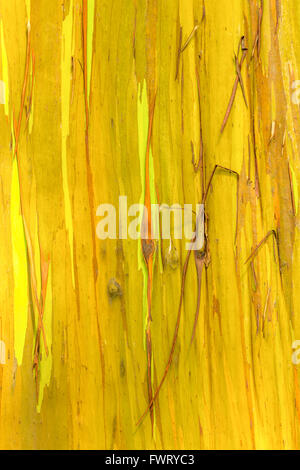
[143, 98]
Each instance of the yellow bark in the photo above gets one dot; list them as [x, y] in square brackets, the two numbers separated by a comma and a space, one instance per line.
[80, 79]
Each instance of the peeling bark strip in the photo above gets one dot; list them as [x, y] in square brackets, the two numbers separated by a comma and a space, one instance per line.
[150, 406]
[200, 164]
[17, 132]
[257, 41]
[45, 270]
[178, 53]
[201, 258]
[181, 48]
[148, 250]
[189, 38]
[199, 262]
[237, 81]
[254, 252]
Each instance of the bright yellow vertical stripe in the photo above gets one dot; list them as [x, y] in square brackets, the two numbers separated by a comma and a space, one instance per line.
[19, 267]
[90, 34]
[66, 57]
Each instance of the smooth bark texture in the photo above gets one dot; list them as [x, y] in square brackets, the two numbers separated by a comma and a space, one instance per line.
[84, 80]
